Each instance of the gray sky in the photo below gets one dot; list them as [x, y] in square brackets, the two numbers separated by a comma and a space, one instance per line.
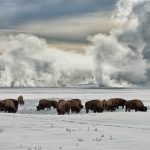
[59, 21]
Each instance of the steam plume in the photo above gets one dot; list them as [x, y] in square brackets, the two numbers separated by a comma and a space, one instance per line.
[29, 62]
[123, 57]
[120, 59]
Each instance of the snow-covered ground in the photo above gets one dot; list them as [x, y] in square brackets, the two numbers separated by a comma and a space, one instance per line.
[45, 130]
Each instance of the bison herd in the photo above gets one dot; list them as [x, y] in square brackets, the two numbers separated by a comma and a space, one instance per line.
[62, 106]
[75, 105]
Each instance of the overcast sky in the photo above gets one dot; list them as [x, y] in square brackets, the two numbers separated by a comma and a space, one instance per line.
[59, 21]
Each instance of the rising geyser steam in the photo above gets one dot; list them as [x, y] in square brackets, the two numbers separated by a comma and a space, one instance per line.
[29, 62]
[119, 59]
[123, 57]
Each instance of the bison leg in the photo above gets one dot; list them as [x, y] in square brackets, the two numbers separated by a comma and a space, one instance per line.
[81, 106]
[72, 110]
[5, 110]
[11, 110]
[113, 109]
[94, 111]
[107, 109]
[87, 110]
[49, 107]
[58, 111]
[101, 110]
[38, 108]
[78, 110]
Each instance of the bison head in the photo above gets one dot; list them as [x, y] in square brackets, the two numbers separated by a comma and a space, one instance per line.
[38, 108]
[144, 108]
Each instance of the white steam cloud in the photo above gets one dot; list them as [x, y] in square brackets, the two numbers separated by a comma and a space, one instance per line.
[121, 59]
[29, 62]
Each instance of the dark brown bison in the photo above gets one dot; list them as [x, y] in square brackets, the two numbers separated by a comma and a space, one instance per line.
[20, 100]
[135, 104]
[63, 107]
[119, 102]
[75, 107]
[79, 102]
[94, 105]
[111, 106]
[14, 101]
[8, 105]
[43, 103]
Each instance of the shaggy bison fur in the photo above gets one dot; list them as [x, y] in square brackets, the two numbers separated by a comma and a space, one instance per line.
[135, 104]
[54, 103]
[16, 103]
[63, 107]
[104, 103]
[110, 104]
[61, 100]
[79, 102]
[94, 105]
[75, 106]
[119, 102]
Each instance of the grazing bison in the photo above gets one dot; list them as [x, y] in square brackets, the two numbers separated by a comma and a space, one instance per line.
[20, 100]
[43, 103]
[79, 102]
[94, 105]
[135, 104]
[74, 106]
[63, 107]
[111, 106]
[119, 102]
[8, 105]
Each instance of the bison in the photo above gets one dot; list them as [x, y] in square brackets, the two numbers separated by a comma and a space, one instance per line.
[63, 107]
[94, 105]
[20, 100]
[135, 104]
[9, 105]
[43, 103]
